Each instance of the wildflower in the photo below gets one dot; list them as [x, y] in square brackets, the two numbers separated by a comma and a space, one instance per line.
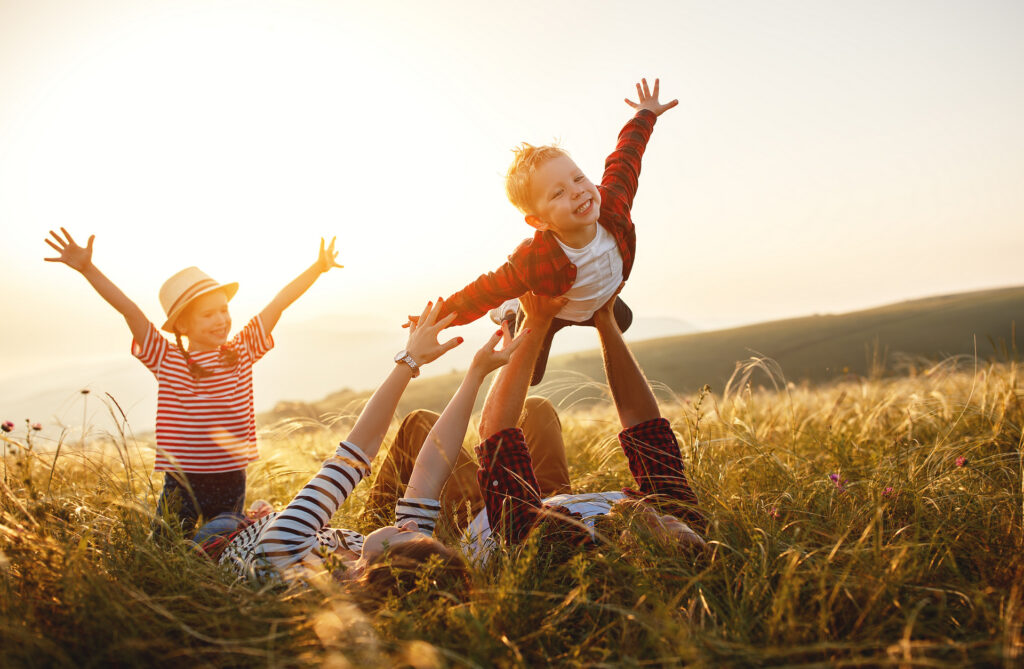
[37, 426]
[7, 426]
[961, 461]
[887, 492]
[840, 483]
[773, 512]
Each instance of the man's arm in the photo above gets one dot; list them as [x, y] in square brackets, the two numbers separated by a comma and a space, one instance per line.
[506, 478]
[80, 259]
[299, 285]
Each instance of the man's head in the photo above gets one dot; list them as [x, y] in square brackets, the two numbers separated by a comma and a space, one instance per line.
[546, 184]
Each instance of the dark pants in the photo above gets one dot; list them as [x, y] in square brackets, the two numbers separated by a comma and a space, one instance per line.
[623, 316]
[189, 495]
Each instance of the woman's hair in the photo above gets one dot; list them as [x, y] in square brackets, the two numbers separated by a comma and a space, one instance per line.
[401, 569]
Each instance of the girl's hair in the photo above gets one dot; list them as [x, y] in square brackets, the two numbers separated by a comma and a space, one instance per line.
[228, 358]
[399, 570]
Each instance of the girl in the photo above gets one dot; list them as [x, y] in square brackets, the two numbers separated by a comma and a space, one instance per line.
[297, 539]
[205, 423]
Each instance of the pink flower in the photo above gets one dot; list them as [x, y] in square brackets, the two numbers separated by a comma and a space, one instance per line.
[887, 492]
[773, 512]
[838, 481]
[37, 426]
[961, 461]
[7, 426]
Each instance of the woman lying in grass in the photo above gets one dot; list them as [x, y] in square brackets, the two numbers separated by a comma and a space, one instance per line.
[293, 541]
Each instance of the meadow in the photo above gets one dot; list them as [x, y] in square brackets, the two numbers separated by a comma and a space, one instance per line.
[875, 521]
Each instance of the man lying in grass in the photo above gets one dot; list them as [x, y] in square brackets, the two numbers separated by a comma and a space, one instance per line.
[663, 506]
[524, 458]
[297, 541]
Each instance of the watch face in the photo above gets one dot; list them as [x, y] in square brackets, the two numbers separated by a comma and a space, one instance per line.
[400, 356]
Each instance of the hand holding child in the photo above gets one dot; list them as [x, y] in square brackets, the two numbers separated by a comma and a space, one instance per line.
[649, 99]
[541, 309]
[71, 254]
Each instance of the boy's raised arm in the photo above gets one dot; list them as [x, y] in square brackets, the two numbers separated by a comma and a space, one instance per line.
[80, 259]
[622, 167]
[299, 285]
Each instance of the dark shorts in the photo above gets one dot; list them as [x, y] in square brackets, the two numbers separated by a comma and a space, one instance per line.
[189, 496]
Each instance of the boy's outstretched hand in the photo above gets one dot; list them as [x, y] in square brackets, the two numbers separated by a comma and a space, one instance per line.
[71, 254]
[649, 99]
[328, 256]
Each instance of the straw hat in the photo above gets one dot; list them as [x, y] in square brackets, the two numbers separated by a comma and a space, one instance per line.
[181, 289]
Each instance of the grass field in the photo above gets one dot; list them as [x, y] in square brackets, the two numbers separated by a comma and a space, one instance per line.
[874, 522]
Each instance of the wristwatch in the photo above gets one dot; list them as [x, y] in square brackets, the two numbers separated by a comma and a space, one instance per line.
[403, 356]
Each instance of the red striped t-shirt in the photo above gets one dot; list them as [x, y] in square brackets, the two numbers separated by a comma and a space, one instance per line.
[204, 425]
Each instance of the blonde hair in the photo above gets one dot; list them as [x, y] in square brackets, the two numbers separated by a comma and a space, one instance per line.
[520, 173]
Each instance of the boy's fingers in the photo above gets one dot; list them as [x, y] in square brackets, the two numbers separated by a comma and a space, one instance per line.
[68, 235]
[53, 246]
[88, 246]
[657, 82]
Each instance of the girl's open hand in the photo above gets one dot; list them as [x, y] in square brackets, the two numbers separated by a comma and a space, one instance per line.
[649, 99]
[423, 345]
[71, 254]
[328, 257]
[488, 359]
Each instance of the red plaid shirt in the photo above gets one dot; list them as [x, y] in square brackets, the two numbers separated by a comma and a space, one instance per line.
[540, 264]
[514, 506]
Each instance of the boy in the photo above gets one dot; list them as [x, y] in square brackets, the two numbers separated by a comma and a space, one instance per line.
[585, 241]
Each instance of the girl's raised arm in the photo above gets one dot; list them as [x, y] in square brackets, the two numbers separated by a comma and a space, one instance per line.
[80, 259]
[326, 260]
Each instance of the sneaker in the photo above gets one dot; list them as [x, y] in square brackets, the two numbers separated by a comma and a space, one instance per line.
[507, 311]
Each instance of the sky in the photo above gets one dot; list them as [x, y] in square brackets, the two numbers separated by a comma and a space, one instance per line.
[824, 156]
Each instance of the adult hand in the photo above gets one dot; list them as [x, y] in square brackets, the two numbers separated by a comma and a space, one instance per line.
[649, 99]
[423, 345]
[541, 308]
[605, 314]
[71, 254]
[488, 359]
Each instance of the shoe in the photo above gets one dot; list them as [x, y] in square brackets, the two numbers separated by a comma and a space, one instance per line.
[507, 311]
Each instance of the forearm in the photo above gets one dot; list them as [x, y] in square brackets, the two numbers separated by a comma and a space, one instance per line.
[137, 321]
[632, 394]
[373, 422]
[284, 299]
[437, 457]
[505, 399]
[622, 167]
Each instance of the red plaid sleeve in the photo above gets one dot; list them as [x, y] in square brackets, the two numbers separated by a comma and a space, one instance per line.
[509, 488]
[487, 292]
[622, 167]
[657, 467]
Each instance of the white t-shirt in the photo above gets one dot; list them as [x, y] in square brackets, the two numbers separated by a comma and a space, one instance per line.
[598, 275]
[477, 541]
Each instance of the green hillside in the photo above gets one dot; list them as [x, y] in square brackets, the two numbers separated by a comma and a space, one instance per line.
[815, 348]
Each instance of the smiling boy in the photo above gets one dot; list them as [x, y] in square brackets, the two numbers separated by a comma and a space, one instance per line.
[585, 241]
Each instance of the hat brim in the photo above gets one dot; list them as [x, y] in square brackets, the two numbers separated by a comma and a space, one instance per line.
[229, 290]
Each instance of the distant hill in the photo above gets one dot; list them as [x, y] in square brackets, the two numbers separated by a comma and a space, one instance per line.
[813, 349]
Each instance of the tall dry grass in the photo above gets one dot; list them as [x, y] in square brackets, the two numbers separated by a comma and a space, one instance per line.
[876, 522]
